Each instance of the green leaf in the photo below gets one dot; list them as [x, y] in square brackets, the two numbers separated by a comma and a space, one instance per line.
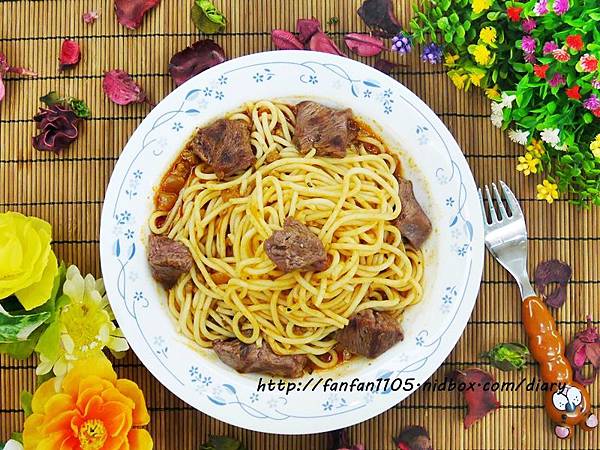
[22, 349]
[207, 18]
[26, 398]
[222, 443]
[508, 356]
[588, 118]
[51, 98]
[17, 436]
[18, 328]
[80, 108]
[49, 342]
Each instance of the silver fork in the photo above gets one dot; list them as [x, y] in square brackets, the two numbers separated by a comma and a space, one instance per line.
[506, 239]
[506, 235]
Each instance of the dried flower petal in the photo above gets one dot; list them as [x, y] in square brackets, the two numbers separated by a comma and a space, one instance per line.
[207, 18]
[90, 16]
[120, 88]
[364, 44]
[385, 66]
[2, 89]
[320, 42]
[508, 356]
[285, 40]
[414, 438]
[585, 347]
[58, 128]
[338, 440]
[196, 58]
[70, 54]
[553, 271]
[131, 12]
[379, 15]
[306, 28]
[6, 68]
[479, 401]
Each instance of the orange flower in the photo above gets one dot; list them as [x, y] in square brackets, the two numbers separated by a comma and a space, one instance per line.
[89, 410]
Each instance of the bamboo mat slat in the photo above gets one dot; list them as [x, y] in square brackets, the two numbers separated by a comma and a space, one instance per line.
[68, 191]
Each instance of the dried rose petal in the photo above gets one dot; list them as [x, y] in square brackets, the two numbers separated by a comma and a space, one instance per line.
[379, 15]
[120, 88]
[6, 68]
[70, 54]
[479, 402]
[2, 89]
[90, 16]
[364, 44]
[58, 128]
[553, 271]
[320, 42]
[131, 12]
[414, 438]
[338, 440]
[306, 28]
[284, 40]
[194, 59]
[585, 347]
[385, 66]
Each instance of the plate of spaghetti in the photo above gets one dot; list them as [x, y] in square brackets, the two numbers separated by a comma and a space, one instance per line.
[289, 237]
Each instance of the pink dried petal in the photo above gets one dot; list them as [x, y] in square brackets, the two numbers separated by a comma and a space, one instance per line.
[194, 59]
[479, 401]
[2, 88]
[120, 88]
[6, 68]
[385, 66]
[284, 40]
[364, 44]
[90, 16]
[585, 347]
[70, 54]
[306, 28]
[130, 13]
[320, 42]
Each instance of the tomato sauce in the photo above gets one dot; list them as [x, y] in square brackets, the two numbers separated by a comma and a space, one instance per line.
[174, 180]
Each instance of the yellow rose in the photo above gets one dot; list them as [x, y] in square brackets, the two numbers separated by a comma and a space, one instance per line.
[27, 264]
[89, 410]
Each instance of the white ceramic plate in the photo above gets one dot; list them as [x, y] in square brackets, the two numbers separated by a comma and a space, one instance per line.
[454, 253]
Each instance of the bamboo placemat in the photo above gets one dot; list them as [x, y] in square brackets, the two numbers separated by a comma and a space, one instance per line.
[68, 191]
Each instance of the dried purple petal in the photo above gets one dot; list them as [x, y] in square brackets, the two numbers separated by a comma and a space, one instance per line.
[120, 88]
[338, 440]
[379, 15]
[414, 438]
[194, 59]
[306, 28]
[6, 68]
[90, 16]
[131, 12]
[553, 271]
[385, 66]
[70, 54]
[364, 44]
[320, 42]
[58, 128]
[285, 40]
[585, 347]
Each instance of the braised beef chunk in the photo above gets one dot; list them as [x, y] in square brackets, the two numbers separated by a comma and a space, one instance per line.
[323, 128]
[370, 333]
[296, 247]
[168, 259]
[249, 358]
[413, 223]
[224, 146]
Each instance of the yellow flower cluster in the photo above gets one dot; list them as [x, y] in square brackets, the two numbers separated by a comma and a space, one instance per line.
[595, 146]
[536, 148]
[482, 55]
[493, 93]
[481, 5]
[547, 191]
[488, 35]
[528, 164]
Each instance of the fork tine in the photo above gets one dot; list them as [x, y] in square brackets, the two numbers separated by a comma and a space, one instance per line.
[503, 214]
[511, 201]
[483, 207]
[491, 206]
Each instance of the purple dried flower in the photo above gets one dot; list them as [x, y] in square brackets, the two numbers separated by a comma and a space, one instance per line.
[561, 6]
[529, 25]
[557, 80]
[530, 58]
[541, 7]
[402, 43]
[592, 102]
[528, 44]
[549, 47]
[432, 53]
